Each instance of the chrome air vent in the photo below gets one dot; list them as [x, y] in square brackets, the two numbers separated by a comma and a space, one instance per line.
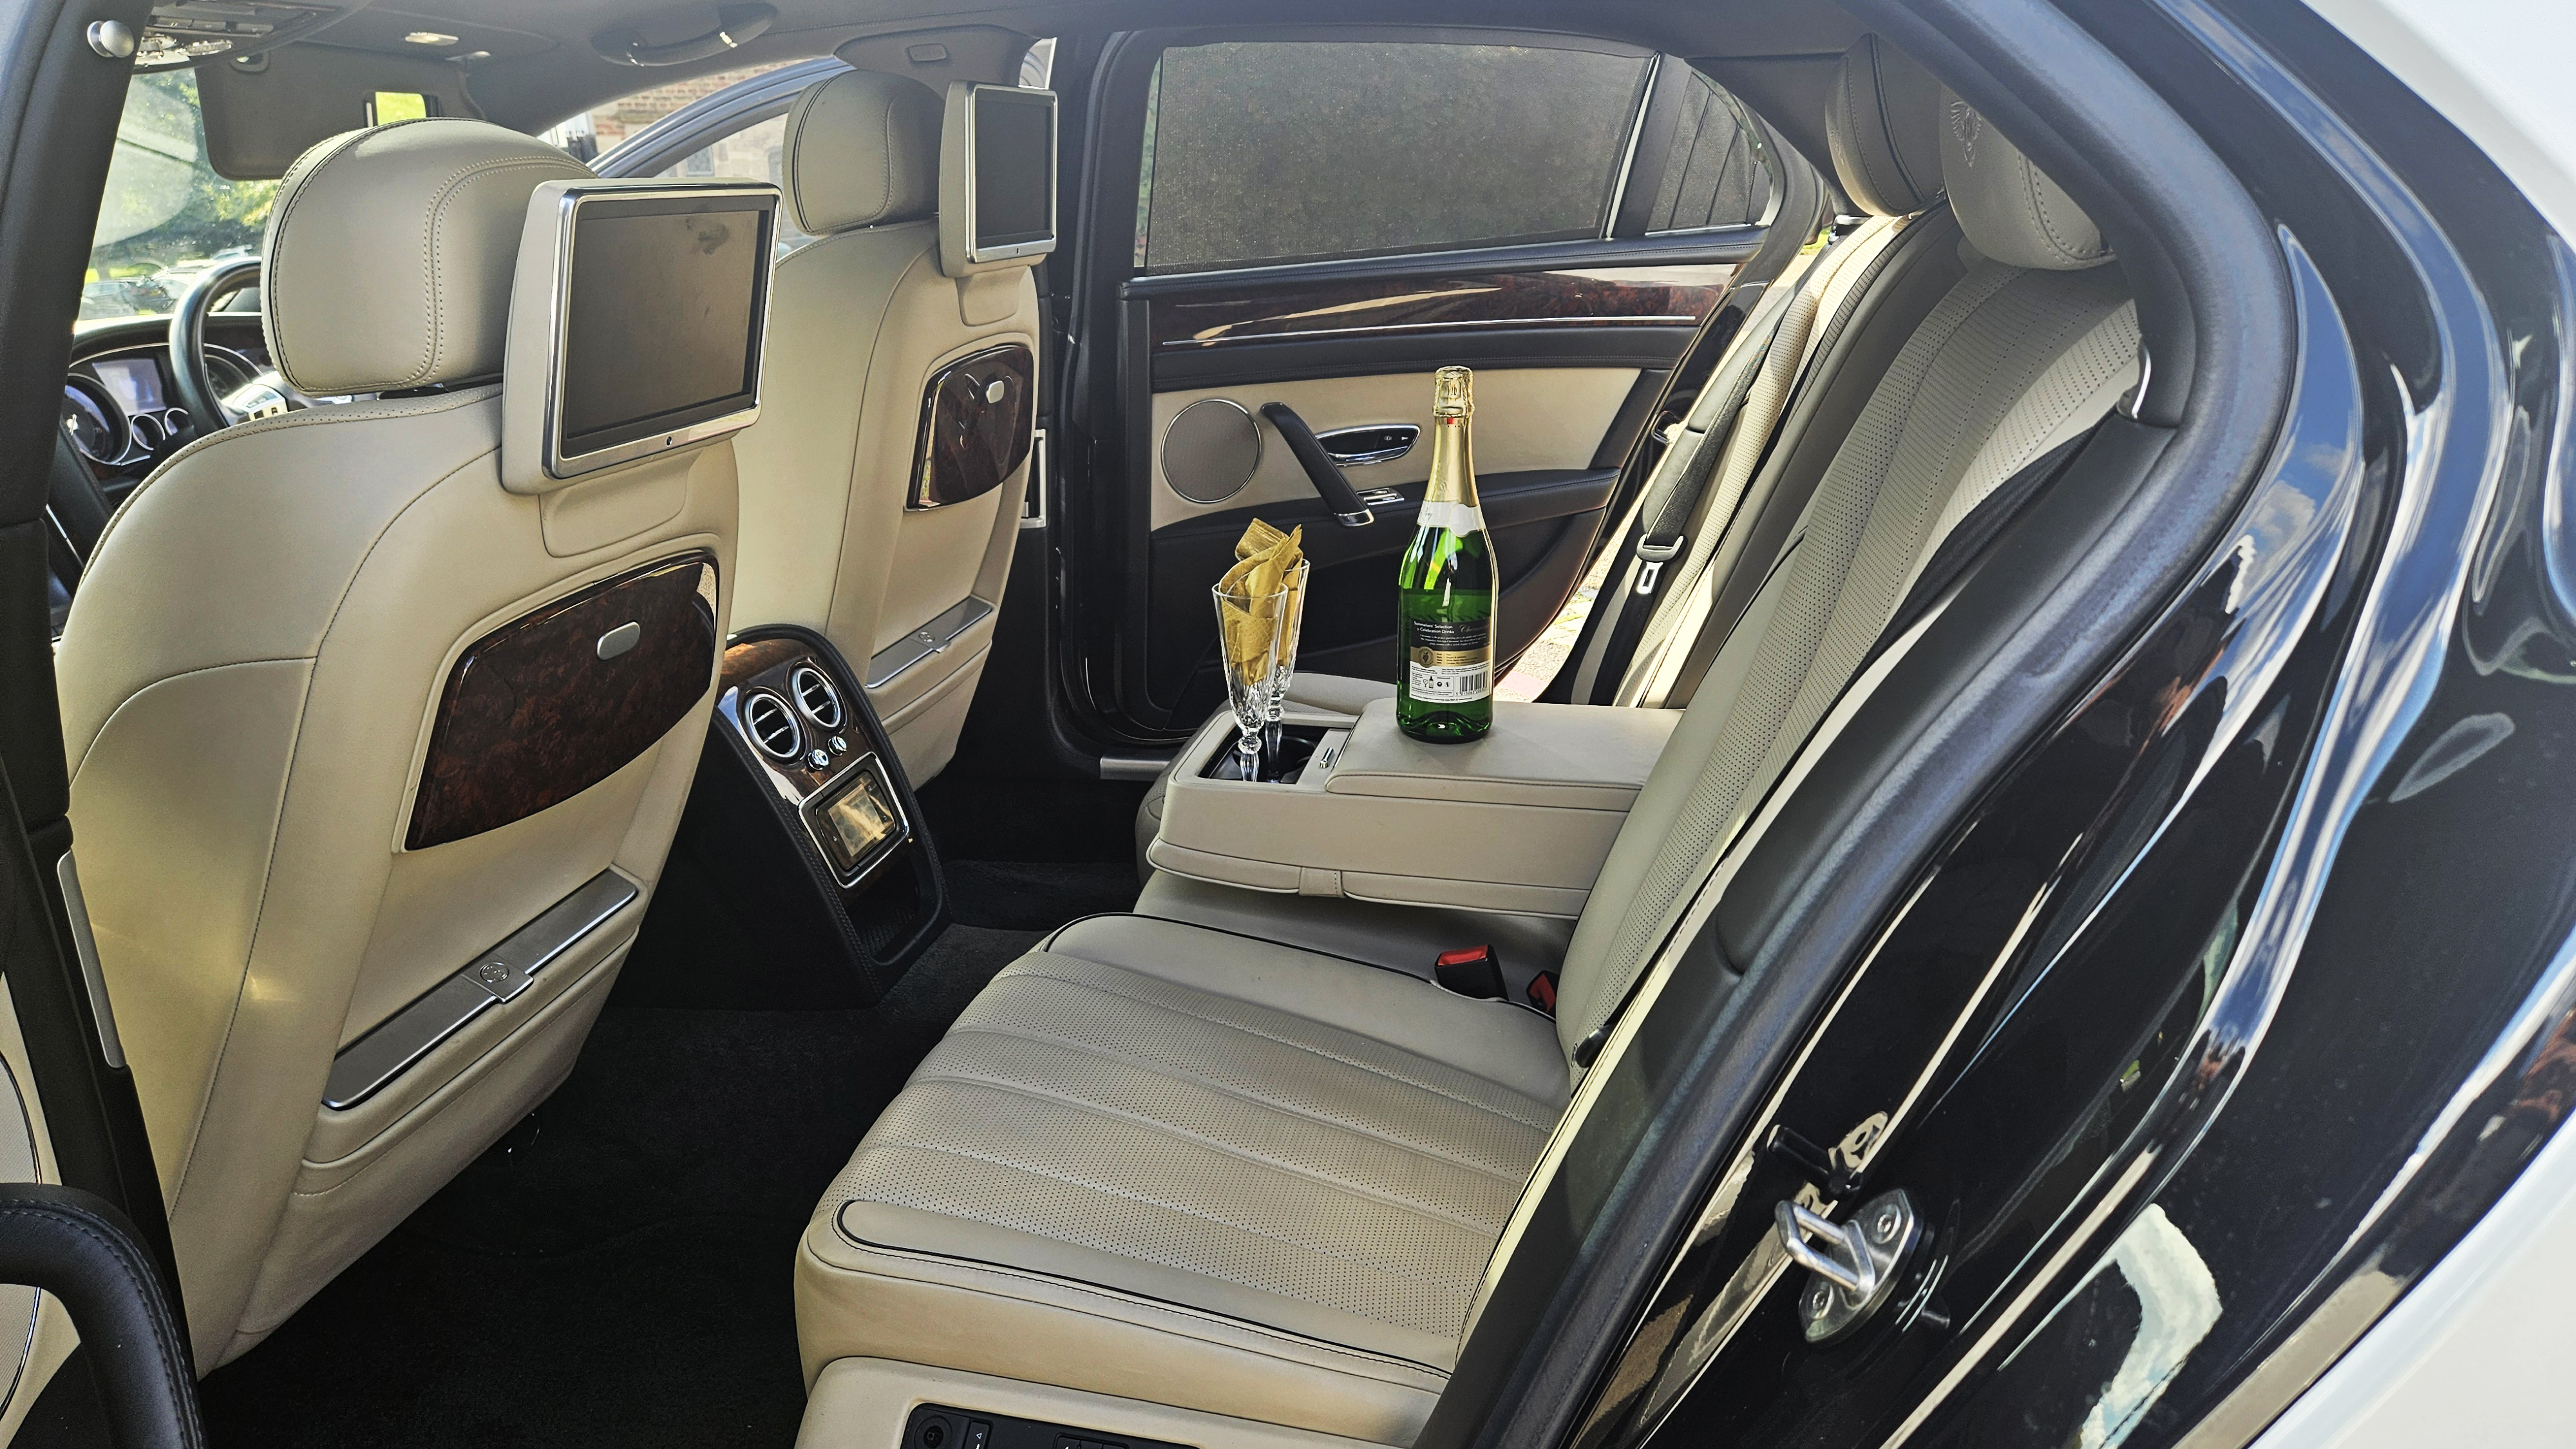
[771, 725]
[816, 695]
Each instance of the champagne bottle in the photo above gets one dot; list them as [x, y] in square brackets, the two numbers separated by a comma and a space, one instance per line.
[1444, 626]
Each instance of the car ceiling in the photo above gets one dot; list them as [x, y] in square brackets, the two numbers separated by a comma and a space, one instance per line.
[543, 67]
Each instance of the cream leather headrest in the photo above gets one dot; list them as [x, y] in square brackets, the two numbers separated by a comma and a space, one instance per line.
[1884, 127]
[2008, 207]
[389, 253]
[862, 148]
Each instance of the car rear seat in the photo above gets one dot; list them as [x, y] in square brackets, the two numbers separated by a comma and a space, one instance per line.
[1191, 1166]
[1868, 293]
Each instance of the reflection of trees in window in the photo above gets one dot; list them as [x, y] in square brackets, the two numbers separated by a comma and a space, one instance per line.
[165, 207]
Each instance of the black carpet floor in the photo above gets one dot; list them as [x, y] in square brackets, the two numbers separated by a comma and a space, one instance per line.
[618, 1271]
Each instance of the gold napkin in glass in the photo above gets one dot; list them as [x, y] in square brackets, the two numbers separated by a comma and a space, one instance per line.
[1263, 557]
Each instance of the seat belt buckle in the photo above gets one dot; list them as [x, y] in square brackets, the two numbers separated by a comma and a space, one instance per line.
[1475, 971]
[1542, 992]
[1655, 550]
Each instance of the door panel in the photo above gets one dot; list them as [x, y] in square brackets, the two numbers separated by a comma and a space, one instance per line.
[1526, 419]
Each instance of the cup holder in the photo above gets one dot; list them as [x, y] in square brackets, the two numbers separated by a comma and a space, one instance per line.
[1286, 750]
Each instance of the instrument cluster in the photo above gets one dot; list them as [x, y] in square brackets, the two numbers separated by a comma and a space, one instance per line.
[121, 411]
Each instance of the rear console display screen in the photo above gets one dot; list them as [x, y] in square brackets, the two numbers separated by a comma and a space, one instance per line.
[858, 821]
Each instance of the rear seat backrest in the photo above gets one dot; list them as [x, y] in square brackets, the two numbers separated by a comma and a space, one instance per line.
[2032, 346]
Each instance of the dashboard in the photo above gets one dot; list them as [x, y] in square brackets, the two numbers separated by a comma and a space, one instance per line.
[120, 408]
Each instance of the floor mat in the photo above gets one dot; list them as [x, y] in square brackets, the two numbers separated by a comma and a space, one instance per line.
[1024, 895]
[618, 1271]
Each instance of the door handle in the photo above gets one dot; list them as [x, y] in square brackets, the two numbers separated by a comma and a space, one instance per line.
[1338, 494]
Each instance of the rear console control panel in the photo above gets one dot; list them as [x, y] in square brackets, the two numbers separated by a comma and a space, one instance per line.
[937, 1426]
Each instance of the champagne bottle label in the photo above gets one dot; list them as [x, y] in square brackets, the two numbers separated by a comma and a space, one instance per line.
[1450, 661]
[1445, 587]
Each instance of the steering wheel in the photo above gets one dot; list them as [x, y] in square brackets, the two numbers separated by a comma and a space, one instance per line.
[210, 407]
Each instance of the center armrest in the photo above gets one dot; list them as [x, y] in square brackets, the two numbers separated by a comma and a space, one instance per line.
[1518, 821]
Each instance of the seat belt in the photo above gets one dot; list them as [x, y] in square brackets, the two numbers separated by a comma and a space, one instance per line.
[1782, 372]
[1957, 553]
[1683, 475]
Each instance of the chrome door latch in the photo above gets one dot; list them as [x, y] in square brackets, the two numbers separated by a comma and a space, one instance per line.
[1851, 1267]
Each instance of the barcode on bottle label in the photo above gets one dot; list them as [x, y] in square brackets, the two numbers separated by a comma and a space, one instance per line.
[1449, 684]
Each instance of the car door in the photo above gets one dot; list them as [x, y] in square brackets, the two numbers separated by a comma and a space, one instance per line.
[1319, 218]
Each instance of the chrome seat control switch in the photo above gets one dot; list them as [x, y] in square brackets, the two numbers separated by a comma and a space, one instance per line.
[1851, 1266]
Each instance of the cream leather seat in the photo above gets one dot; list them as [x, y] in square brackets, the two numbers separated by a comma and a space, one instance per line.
[1166, 1161]
[251, 680]
[861, 323]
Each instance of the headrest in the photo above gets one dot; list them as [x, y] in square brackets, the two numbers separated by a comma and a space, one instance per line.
[389, 254]
[862, 148]
[1884, 128]
[2009, 208]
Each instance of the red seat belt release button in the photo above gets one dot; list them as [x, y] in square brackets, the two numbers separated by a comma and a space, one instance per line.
[1471, 971]
[1542, 992]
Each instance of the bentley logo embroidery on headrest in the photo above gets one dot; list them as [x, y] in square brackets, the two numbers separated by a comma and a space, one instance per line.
[1967, 125]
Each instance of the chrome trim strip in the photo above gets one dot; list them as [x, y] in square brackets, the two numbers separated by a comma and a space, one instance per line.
[1427, 328]
[85, 946]
[1363, 457]
[931, 638]
[498, 975]
[1628, 156]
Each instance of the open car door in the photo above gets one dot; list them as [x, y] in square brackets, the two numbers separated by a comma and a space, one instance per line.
[1565, 215]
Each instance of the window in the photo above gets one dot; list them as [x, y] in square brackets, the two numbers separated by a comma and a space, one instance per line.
[167, 217]
[1277, 151]
[1716, 173]
[752, 153]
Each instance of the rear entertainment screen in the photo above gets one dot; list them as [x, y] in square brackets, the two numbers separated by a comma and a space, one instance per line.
[1014, 168]
[662, 316]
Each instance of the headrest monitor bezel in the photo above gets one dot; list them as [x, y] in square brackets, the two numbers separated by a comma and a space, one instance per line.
[688, 426]
[976, 92]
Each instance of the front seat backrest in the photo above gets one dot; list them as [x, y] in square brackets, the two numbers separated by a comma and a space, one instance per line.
[863, 324]
[341, 719]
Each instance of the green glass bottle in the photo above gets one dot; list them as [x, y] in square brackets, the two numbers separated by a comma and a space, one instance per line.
[1444, 625]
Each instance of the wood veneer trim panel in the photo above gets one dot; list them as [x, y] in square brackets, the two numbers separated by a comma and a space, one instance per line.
[532, 715]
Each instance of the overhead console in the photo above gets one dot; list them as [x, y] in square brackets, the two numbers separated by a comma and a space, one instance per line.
[186, 33]
[1518, 822]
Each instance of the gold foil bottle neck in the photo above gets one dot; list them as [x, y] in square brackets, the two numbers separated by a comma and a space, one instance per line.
[1453, 393]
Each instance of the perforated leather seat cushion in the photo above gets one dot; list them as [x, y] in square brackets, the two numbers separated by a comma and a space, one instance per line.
[1169, 1162]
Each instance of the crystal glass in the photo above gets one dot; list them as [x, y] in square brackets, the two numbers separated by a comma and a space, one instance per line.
[1248, 633]
[1292, 621]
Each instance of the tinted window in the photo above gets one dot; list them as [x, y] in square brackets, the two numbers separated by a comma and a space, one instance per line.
[1272, 151]
[1716, 174]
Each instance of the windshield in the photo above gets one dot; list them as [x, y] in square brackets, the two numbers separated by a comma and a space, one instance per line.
[167, 215]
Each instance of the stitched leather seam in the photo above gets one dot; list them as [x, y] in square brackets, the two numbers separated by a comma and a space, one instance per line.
[1178, 1210]
[434, 299]
[1131, 1298]
[306, 417]
[1218, 1145]
[1547, 1126]
[2030, 178]
[130, 1266]
[1287, 1109]
[272, 270]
